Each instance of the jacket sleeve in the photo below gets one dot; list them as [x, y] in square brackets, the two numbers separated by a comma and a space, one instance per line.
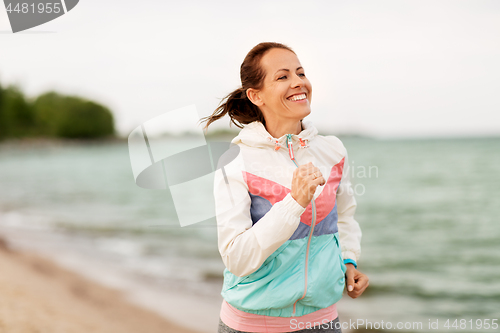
[349, 230]
[244, 247]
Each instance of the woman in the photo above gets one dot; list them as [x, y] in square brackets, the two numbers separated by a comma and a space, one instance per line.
[284, 206]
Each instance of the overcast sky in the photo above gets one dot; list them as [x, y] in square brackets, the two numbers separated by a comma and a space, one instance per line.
[381, 68]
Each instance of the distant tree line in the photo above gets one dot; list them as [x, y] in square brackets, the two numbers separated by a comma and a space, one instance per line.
[52, 115]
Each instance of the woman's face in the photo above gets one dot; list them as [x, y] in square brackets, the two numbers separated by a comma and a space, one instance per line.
[286, 93]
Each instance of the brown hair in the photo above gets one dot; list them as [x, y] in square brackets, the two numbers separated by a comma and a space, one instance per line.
[237, 105]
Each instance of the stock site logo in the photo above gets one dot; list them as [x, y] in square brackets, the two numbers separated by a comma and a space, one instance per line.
[26, 14]
[184, 166]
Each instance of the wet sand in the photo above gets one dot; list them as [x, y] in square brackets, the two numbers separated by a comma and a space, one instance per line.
[37, 295]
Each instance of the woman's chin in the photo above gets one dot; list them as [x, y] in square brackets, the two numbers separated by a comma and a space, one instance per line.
[306, 112]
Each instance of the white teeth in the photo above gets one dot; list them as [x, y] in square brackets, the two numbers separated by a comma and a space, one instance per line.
[297, 97]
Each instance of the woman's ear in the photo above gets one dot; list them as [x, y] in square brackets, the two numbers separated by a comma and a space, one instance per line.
[254, 96]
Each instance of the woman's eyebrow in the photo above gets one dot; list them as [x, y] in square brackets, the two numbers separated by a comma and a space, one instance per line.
[287, 70]
[282, 69]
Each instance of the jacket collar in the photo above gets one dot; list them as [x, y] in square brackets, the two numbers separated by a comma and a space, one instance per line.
[255, 134]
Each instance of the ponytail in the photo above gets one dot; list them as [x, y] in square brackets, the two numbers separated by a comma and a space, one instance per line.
[239, 108]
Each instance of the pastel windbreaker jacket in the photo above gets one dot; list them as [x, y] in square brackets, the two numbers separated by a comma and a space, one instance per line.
[282, 259]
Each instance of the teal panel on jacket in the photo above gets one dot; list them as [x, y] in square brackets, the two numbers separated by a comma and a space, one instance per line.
[279, 282]
[325, 278]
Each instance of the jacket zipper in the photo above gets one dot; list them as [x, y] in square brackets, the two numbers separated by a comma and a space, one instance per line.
[313, 222]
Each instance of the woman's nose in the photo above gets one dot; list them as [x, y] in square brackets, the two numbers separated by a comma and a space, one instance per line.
[297, 81]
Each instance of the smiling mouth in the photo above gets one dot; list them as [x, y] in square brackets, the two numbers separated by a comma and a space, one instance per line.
[297, 97]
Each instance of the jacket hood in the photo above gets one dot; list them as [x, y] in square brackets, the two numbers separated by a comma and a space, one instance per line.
[255, 134]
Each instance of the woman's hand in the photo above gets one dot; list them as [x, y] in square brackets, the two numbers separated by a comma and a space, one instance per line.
[304, 182]
[356, 281]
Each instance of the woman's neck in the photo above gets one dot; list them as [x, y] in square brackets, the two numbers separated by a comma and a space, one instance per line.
[277, 130]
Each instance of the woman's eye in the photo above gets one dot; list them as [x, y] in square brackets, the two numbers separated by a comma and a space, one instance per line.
[302, 74]
[282, 77]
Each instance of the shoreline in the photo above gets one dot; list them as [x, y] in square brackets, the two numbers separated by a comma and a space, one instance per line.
[39, 295]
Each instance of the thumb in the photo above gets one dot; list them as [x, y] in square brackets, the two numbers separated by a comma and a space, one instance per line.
[350, 280]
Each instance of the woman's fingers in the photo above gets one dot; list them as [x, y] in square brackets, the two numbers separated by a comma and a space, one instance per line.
[306, 179]
[361, 282]
[317, 177]
[312, 175]
[309, 170]
[319, 181]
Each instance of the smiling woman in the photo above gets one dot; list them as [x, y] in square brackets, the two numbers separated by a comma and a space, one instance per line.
[274, 89]
[286, 93]
[285, 217]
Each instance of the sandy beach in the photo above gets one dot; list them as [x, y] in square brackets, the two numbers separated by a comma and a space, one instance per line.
[37, 295]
